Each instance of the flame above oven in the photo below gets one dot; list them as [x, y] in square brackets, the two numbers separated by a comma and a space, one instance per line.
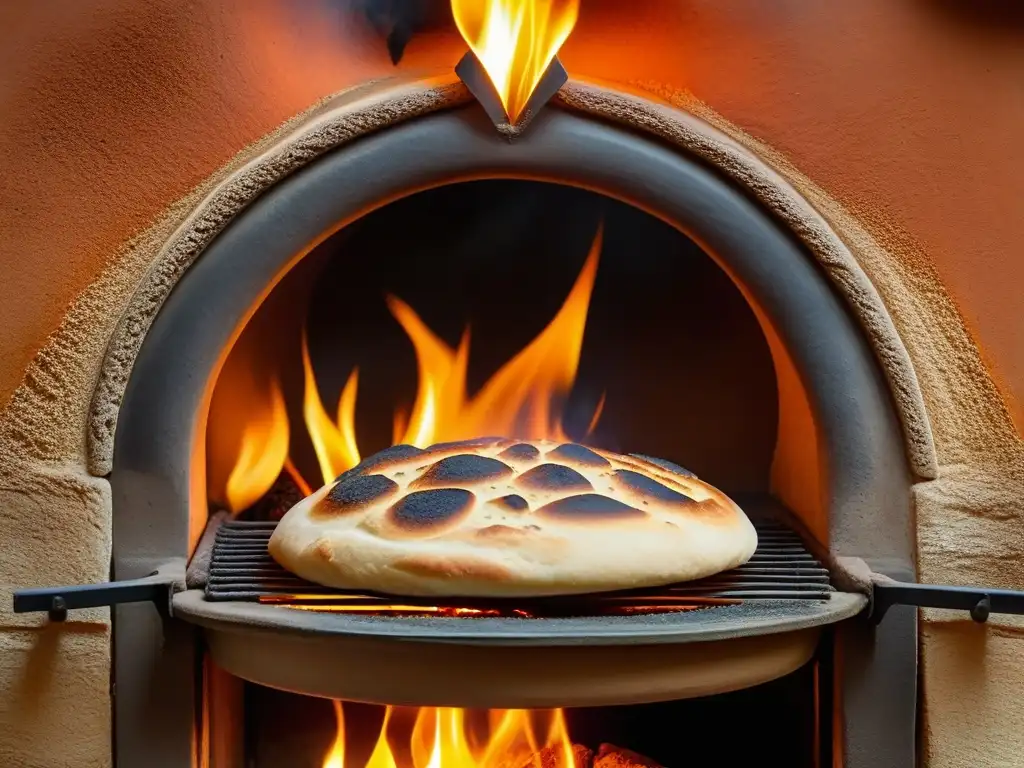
[515, 41]
[443, 738]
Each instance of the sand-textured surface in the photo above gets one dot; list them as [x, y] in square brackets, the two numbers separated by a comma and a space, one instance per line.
[960, 439]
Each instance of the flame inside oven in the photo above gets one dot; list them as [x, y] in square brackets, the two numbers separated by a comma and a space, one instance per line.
[446, 738]
[523, 399]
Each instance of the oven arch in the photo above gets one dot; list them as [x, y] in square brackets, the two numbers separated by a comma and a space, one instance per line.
[861, 448]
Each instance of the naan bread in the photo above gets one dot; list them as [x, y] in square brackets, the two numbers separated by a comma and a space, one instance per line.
[495, 517]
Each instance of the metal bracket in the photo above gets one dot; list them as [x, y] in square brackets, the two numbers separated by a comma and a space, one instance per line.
[473, 75]
[980, 602]
[157, 588]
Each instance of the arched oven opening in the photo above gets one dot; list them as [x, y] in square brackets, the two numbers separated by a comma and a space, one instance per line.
[709, 338]
[670, 357]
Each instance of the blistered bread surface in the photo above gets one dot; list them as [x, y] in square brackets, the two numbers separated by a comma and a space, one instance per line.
[497, 517]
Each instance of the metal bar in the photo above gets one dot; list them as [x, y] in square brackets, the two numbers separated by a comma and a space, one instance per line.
[57, 601]
[979, 601]
[473, 75]
[781, 568]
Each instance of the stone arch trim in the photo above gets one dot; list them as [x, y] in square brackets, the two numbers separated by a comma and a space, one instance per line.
[354, 114]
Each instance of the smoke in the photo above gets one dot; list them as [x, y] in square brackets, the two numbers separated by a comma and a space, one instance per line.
[398, 21]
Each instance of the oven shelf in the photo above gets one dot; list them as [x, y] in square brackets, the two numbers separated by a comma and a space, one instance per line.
[782, 568]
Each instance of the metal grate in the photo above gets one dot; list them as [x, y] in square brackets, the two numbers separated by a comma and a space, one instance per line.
[782, 568]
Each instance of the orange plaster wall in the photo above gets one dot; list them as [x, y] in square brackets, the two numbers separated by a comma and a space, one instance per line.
[910, 112]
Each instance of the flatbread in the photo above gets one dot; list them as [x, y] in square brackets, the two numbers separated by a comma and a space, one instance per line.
[496, 517]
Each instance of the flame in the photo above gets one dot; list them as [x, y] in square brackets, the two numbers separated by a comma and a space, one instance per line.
[336, 757]
[515, 41]
[441, 738]
[262, 455]
[334, 442]
[520, 399]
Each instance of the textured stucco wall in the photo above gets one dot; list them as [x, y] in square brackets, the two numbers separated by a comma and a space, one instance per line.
[908, 113]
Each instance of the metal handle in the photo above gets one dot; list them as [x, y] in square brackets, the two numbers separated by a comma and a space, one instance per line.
[979, 601]
[156, 588]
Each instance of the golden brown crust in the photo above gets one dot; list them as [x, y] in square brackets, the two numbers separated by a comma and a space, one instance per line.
[496, 517]
[453, 568]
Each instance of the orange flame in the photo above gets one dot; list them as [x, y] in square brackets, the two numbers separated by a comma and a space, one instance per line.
[336, 757]
[522, 399]
[334, 442]
[262, 454]
[515, 41]
[441, 739]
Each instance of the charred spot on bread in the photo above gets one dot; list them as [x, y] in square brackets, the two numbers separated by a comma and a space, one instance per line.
[355, 493]
[461, 469]
[649, 487]
[396, 454]
[554, 477]
[589, 507]
[574, 453]
[520, 452]
[513, 503]
[427, 512]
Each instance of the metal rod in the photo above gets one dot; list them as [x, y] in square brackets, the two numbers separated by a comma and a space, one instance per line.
[979, 601]
[57, 601]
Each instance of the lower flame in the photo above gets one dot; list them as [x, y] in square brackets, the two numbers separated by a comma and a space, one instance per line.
[523, 399]
[442, 738]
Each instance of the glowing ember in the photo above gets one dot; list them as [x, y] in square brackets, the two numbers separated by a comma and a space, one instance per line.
[515, 41]
[442, 738]
[663, 601]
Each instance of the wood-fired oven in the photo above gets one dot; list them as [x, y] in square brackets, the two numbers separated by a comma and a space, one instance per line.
[726, 328]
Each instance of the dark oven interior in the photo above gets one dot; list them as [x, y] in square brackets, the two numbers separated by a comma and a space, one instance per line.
[672, 356]
[671, 349]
